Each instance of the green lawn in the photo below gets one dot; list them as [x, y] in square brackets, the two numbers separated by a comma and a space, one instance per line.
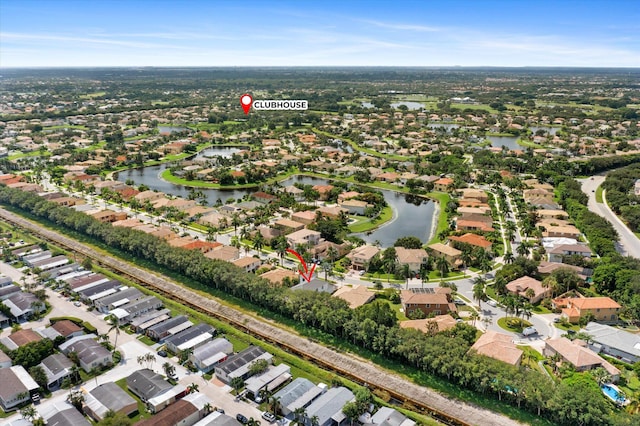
[515, 328]
[396, 308]
[146, 340]
[443, 223]
[364, 224]
[599, 195]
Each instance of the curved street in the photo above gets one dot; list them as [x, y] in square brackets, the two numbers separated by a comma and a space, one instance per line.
[628, 244]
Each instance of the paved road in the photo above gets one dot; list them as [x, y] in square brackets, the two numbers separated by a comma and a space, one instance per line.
[629, 244]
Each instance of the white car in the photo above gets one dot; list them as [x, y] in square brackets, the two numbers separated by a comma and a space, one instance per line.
[492, 303]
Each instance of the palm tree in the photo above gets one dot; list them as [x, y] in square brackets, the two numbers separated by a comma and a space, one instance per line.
[442, 264]
[524, 249]
[208, 408]
[258, 243]
[28, 413]
[193, 388]
[406, 273]
[115, 325]
[274, 404]
[299, 414]
[508, 257]
[479, 291]
[474, 317]
[601, 376]
[332, 254]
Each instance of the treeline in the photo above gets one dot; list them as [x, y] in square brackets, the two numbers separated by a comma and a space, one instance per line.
[620, 195]
[373, 327]
[601, 164]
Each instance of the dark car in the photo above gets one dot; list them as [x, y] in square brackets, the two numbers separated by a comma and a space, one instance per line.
[242, 419]
[162, 353]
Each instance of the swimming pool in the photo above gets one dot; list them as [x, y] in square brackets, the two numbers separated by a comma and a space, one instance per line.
[613, 393]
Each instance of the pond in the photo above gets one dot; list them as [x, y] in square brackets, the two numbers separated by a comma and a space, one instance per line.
[511, 142]
[550, 130]
[410, 105]
[411, 215]
[171, 129]
[219, 151]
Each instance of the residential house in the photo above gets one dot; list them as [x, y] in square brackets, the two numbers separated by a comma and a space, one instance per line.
[67, 329]
[5, 361]
[121, 298]
[182, 413]
[305, 237]
[146, 384]
[108, 397]
[238, 365]
[476, 194]
[57, 367]
[108, 216]
[521, 286]
[321, 251]
[190, 338]
[442, 184]
[436, 301]
[169, 327]
[23, 305]
[142, 323]
[297, 394]
[603, 309]
[614, 342]
[134, 309]
[16, 387]
[20, 338]
[67, 417]
[248, 264]
[207, 356]
[91, 354]
[361, 256]
[566, 231]
[263, 197]
[387, 416]
[333, 212]
[355, 296]
[552, 214]
[8, 290]
[414, 258]
[288, 226]
[498, 346]
[474, 240]
[269, 380]
[356, 207]
[578, 355]
[429, 325]
[226, 253]
[557, 253]
[452, 255]
[278, 276]
[306, 217]
[327, 408]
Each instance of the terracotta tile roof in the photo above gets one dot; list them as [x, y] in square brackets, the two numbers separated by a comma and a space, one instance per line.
[472, 239]
[594, 303]
[355, 296]
[498, 346]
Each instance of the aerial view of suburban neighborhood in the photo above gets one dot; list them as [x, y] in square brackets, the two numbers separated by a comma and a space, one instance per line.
[357, 218]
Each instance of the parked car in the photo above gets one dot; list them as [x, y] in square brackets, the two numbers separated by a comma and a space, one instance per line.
[220, 410]
[162, 353]
[242, 419]
[528, 331]
[459, 302]
[492, 303]
[77, 303]
[269, 417]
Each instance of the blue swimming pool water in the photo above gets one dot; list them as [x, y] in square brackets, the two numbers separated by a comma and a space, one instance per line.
[611, 392]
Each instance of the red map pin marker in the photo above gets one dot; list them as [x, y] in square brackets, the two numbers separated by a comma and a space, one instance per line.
[246, 100]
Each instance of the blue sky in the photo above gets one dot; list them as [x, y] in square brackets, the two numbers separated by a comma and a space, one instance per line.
[309, 33]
